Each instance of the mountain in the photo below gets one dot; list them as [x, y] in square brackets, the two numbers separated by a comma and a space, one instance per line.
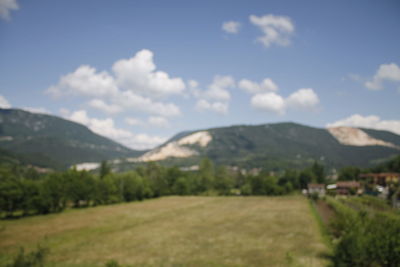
[49, 141]
[278, 146]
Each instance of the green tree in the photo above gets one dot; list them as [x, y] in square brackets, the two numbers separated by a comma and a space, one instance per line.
[182, 186]
[80, 188]
[349, 173]
[104, 169]
[319, 172]
[305, 177]
[11, 192]
[207, 174]
[223, 181]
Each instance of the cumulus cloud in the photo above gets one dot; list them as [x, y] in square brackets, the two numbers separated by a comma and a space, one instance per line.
[107, 128]
[85, 80]
[277, 29]
[144, 141]
[107, 108]
[386, 72]
[130, 100]
[218, 89]
[133, 121]
[217, 106]
[138, 74]
[254, 88]
[158, 121]
[193, 83]
[270, 102]
[5, 8]
[371, 122]
[303, 99]
[231, 27]
[4, 102]
[216, 97]
[39, 110]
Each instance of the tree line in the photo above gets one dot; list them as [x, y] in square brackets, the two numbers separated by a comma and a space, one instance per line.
[25, 192]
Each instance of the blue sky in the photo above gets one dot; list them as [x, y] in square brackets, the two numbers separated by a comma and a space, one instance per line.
[141, 71]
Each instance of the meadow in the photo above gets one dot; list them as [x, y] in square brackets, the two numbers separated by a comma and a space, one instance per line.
[175, 231]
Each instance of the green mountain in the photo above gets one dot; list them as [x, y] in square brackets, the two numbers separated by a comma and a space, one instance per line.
[49, 141]
[278, 146]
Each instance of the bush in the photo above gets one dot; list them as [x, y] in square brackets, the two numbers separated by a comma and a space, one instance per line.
[369, 241]
[112, 263]
[35, 258]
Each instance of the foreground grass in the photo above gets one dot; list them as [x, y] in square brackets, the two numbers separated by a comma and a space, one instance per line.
[175, 231]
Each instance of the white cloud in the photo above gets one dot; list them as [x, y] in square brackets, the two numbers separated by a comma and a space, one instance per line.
[139, 70]
[219, 107]
[218, 89]
[39, 110]
[133, 121]
[216, 97]
[4, 102]
[84, 81]
[386, 72]
[304, 98]
[138, 74]
[144, 141]
[64, 112]
[270, 102]
[277, 29]
[232, 27]
[6, 6]
[107, 108]
[130, 100]
[158, 121]
[107, 128]
[193, 84]
[372, 122]
[254, 88]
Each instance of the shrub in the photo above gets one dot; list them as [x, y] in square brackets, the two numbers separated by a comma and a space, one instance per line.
[35, 258]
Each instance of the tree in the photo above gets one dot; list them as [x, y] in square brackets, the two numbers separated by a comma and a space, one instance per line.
[223, 181]
[104, 169]
[206, 172]
[182, 186]
[349, 173]
[319, 172]
[305, 177]
[11, 193]
[80, 187]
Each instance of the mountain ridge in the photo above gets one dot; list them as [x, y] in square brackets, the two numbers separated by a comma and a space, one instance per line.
[42, 138]
[287, 143]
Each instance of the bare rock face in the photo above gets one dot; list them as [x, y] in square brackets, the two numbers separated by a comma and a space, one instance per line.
[356, 137]
[177, 149]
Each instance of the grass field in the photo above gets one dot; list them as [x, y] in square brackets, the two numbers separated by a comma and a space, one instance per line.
[175, 231]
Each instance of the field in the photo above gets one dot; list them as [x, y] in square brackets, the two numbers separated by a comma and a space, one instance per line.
[175, 231]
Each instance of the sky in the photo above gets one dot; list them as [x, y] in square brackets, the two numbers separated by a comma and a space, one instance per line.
[140, 72]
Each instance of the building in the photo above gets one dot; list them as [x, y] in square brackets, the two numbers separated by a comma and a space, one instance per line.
[348, 188]
[316, 189]
[383, 179]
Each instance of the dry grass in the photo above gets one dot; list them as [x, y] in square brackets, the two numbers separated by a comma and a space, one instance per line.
[176, 231]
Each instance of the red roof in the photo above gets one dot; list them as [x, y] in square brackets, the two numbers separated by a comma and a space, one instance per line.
[348, 184]
[380, 175]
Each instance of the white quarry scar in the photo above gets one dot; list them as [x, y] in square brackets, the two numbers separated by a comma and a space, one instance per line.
[356, 137]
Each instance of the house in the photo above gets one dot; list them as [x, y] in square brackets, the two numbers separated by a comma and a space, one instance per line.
[383, 179]
[348, 188]
[316, 189]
